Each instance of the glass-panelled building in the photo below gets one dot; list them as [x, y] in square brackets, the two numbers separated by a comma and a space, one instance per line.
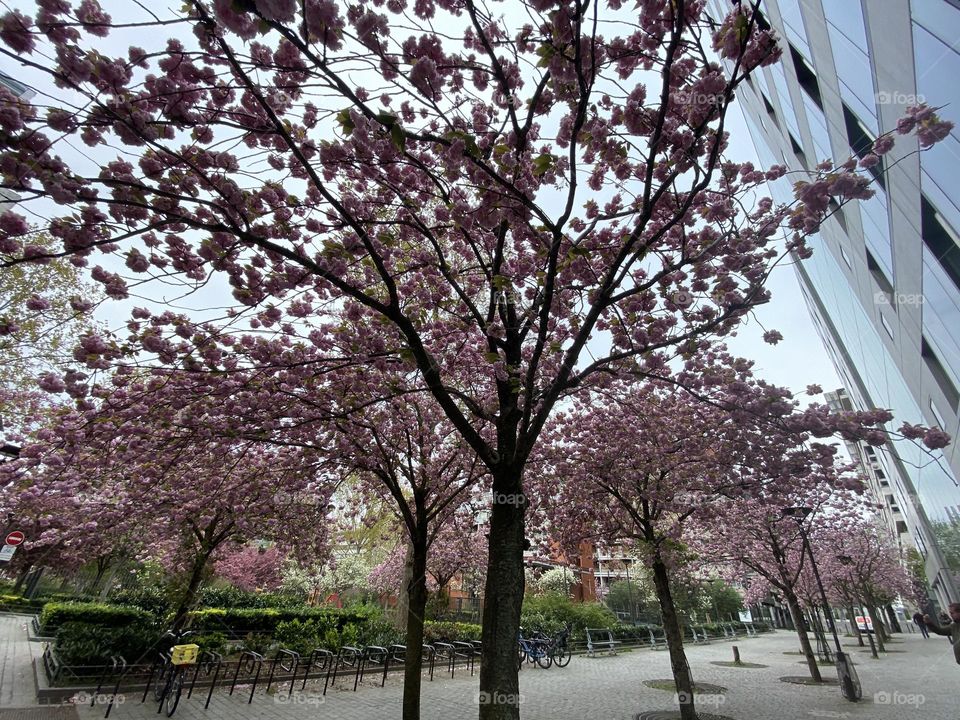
[883, 285]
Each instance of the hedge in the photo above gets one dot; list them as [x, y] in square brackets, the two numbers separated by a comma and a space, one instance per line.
[55, 614]
[238, 622]
[450, 631]
[85, 644]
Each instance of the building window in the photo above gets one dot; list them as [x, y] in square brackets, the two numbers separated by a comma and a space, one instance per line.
[886, 326]
[938, 236]
[879, 276]
[836, 212]
[861, 142]
[936, 369]
[937, 416]
[806, 77]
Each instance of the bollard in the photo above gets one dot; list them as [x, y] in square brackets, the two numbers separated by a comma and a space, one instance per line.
[736, 655]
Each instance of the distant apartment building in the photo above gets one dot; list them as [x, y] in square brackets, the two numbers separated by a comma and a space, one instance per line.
[883, 285]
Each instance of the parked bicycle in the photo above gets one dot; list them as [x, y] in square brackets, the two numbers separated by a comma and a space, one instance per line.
[173, 662]
[534, 650]
[559, 650]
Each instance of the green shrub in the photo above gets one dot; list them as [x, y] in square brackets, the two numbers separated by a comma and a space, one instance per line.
[237, 622]
[20, 604]
[212, 642]
[302, 636]
[450, 632]
[152, 599]
[232, 597]
[382, 633]
[55, 614]
[80, 643]
[550, 613]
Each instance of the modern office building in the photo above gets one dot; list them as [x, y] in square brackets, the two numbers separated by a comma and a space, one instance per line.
[883, 285]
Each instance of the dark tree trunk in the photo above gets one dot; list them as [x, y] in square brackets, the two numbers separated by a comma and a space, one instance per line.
[503, 598]
[894, 621]
[853, 624]
[674, 635]
[193, 587]
[102, 566]
[796, 615]
[416, 609]
[21, 578]
[878, 629]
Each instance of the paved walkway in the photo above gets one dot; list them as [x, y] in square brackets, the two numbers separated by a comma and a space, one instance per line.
[16, 673]
[919, 681]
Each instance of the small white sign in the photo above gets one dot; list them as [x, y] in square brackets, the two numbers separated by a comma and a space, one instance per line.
[746, 616]
[6, 552]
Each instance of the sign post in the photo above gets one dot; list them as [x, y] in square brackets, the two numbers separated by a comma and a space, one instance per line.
[13, 539]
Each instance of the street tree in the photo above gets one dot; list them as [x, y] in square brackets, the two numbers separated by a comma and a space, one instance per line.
[480, 202]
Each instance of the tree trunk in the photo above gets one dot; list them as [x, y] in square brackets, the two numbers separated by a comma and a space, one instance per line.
[401, 618]
[854, 626]
[108, 585]
[674, 635]
[416, 592]
[878, 629]
[98, 578]
[796, 614]
[894, 621]
[503, 598]
[193, 587]
[21, 578]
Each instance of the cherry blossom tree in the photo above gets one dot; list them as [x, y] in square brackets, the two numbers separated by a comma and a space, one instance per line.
[479, 203]
[184, 499]
[251, 567]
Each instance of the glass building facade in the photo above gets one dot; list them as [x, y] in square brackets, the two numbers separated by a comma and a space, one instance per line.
[883, 284]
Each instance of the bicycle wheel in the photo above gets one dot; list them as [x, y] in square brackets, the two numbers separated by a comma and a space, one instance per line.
[173, 692]
[160, 689]
[521, 656]
[561, 657]
[544, 660]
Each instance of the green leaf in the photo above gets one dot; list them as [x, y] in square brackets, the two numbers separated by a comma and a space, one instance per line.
[492, 357]
[346, 122]
[398, 137]
[543, 163]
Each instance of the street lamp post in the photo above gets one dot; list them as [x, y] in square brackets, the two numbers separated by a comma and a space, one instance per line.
[626, 567]
[849, 686]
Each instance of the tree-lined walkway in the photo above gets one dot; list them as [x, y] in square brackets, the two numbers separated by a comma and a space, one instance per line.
[612, 687]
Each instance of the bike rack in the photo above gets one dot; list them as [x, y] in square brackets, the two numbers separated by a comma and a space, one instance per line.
[320, 658]
[348, 657]
[158, 664]
[207, 659]
[118, 666]
[446, 651]
[375, 655]
[294, 658]
[467, 651]
[257, 661]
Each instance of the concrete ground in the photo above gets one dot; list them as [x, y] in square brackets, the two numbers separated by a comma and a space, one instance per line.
[918, 679]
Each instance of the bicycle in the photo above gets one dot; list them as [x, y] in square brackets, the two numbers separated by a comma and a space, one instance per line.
[558, 650]
[173, 664]
[534, 650]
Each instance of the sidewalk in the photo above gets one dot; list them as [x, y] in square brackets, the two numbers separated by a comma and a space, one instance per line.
[916, 681]
[17, 690]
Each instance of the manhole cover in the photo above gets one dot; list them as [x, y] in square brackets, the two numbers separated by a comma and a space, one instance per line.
[731, 664]
[806, 680]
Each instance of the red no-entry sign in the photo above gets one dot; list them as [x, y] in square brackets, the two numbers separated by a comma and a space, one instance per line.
[15, 538]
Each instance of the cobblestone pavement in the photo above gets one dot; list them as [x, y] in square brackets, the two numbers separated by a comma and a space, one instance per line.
[16, 672]
[919, 681]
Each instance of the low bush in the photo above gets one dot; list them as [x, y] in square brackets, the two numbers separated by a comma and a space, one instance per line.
[550, 613]
[151, 599]
[55, 614]
[80, 643]
[232, 597]
[20, 604]
[237, 622]
[450, 632]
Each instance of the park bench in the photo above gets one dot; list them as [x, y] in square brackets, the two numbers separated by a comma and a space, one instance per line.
[751, 630]
[657, 642]
[601, 638]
